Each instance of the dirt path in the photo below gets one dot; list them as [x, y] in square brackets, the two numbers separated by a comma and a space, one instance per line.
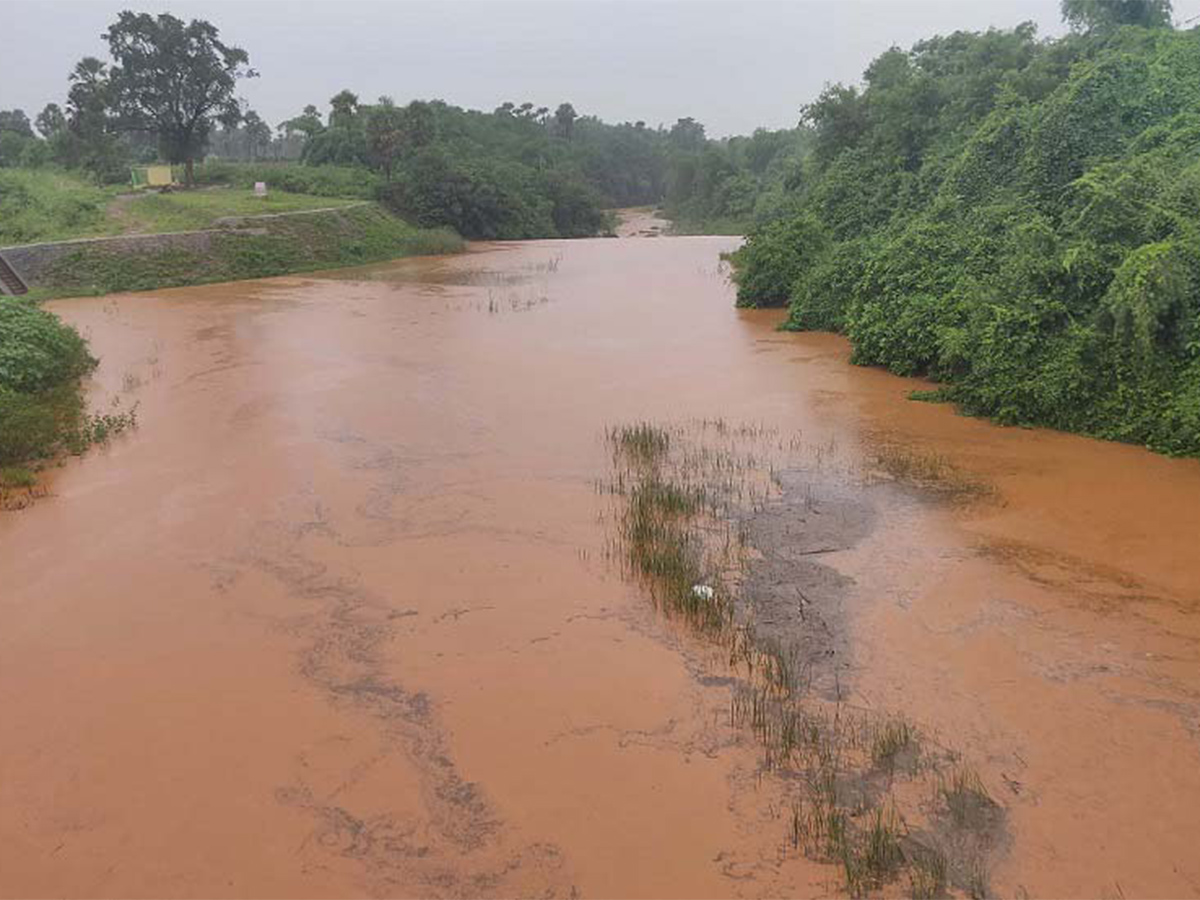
[117, 212]
[341, 618]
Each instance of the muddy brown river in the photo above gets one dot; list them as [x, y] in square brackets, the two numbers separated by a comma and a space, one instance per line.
[338, 619]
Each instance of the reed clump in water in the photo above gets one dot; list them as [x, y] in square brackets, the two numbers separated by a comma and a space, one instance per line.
[687, 493]
[931, 472]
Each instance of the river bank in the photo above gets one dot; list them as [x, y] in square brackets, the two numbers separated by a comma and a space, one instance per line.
[240, 247]
[341, 617]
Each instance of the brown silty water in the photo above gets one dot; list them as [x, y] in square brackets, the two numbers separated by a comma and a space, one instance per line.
[337, 619]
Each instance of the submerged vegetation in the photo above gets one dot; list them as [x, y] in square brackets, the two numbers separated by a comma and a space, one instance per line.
[1014, 218]
[685, 496]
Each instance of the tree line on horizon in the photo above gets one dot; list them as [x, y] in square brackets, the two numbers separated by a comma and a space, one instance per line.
[168, 93]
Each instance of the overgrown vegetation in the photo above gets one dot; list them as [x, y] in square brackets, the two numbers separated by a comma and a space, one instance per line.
[46, 205]
[42, 413]
[685, 495]
[1014, 218]
[296, 243]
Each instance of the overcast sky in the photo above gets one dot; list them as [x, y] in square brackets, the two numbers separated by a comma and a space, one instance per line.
[732, 65]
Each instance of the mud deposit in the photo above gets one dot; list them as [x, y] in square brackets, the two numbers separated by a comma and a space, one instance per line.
[342, 616]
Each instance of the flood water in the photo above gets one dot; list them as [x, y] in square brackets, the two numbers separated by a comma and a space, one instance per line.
[337, 618]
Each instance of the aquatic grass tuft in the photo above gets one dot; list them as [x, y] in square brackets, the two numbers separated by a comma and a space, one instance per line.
[927, 872]
[968, 803]
[640, 443]
[893, 739]
[687, 495]
[929, 471]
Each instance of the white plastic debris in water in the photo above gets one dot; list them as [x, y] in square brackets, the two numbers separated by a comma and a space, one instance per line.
[703, 591]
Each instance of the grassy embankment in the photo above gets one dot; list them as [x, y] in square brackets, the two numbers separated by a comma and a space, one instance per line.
[40, 206]
[47, 205]
[301, 243]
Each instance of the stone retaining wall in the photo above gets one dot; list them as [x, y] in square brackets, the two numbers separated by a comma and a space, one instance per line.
[31, 261]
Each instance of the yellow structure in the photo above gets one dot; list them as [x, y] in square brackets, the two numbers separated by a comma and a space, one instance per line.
[158, 176]
[152, 176]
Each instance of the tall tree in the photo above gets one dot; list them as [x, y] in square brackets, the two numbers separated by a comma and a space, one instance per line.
[307, 123]
[420, 125]
[92, 143]
[51, 120]
[564, 120]
[343, 108]
[687, 134]
[385, 134]
[1102, 15]
[393, 132]
[257, 134]
[16, 121]
[839, 116]
[174, 79]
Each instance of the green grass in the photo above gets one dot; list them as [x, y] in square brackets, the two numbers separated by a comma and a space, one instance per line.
[52, 205]
[292, 177]
[46, 205]
[193, 210]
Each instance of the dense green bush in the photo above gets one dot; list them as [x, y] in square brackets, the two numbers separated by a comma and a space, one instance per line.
[37, 351]
[492, 201]
[767, 267]
[42, 205]
[1018, 219]
[34, 425]
[41, 362]
[479, 200]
